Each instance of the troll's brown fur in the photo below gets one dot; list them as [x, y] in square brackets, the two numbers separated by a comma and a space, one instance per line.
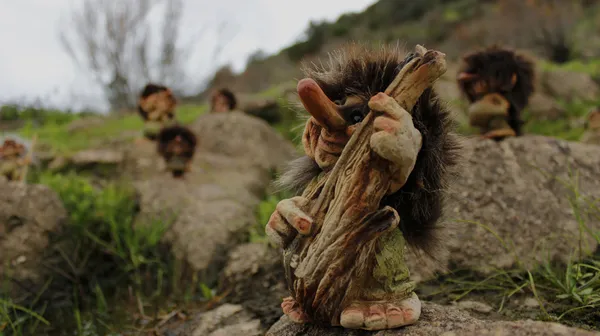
[495, 66]
[362, 72]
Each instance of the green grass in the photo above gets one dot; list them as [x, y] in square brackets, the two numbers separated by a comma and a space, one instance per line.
[56, 135]
[569, 128]
[591, 67]
[105, 270]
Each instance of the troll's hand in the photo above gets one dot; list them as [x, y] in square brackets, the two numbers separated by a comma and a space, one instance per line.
[323, 146]
[395, 139]
[288, 220]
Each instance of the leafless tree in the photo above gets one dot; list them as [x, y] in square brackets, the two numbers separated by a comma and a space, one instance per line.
[124, 44]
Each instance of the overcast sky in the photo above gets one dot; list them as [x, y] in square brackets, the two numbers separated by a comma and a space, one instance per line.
[34, 65]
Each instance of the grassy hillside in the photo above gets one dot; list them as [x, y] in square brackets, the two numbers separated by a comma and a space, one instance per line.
[453, 26]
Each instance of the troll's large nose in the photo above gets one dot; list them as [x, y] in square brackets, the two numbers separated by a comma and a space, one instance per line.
[319, 106]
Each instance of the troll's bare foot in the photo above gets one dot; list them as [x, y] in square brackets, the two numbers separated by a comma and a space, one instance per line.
[500, 133]
[291, 308]
[381, 315]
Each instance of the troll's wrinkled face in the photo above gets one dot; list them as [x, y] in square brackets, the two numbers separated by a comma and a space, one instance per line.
[220, 103]
[497, 78]
[179, 146]
[488, 89]
[338, 97]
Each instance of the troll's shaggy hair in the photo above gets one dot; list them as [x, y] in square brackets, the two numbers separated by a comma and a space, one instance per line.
[360, 71]
[496, 65]
[149, 90]
[168, 134]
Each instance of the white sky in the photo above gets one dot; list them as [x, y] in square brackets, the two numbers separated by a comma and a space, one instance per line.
[33, 64]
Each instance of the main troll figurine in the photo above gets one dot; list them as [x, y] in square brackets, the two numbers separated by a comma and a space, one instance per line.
[223, 100]
[13, 160]
[378, 150]
[156, 106]
[177, 145]
[498, 83]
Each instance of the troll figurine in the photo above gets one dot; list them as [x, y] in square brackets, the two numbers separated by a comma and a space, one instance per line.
[156, 106]
[592, 127]
[223, 100]
[498, 83]
[13, 160]
[378, 150]
[176, 145]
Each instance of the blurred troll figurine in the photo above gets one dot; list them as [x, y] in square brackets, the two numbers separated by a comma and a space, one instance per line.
[223, 100]
[176, 145]
[156, 106]
[13, 160]
[379, 149]
[498, 83]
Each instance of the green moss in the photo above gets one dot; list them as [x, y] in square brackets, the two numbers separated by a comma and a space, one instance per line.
[391, 270]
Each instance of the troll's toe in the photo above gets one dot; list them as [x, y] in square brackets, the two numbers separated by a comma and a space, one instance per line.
[353, 317]
[375, 318]
[404, 313]
[381, 315]
[293, 311]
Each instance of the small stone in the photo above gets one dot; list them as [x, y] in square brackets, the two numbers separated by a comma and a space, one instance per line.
[531, 303]
[20, 259]
[479, 307]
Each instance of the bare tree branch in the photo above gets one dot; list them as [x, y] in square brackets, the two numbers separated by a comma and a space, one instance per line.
[123, 44]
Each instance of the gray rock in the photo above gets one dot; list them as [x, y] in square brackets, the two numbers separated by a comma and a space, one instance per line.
[516, 189]
[438, 320]
[29, 214]
[570, 85]
[544, 107]
[225, 320]
[254, 278]
[212, 207]
[97, 157]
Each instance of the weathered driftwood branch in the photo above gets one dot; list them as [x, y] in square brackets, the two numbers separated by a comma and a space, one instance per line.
[326, 270]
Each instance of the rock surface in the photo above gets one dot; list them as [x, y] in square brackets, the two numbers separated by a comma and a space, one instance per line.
[438, 320]
[569, 85]
[29, 214]
[543, 107]
[225, 320]
[98, 160]
[212, 207]
[520, 189]
[254, 278]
